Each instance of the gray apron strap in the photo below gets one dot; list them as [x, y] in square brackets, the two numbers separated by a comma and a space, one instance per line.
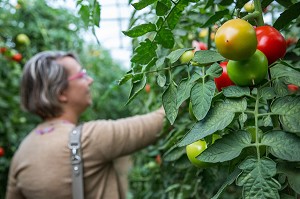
[76, 160]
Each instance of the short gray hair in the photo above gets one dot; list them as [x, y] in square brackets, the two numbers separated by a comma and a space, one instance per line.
[42, 81]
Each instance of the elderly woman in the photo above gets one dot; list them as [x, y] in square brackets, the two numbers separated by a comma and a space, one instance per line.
[56, 87]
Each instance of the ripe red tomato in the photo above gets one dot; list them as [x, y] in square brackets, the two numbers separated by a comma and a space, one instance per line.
[293, 88]
[236, 39]
[3, 50]
[2, 152]
[195, 149]
[271, 43]
[291, 41]
[248, 72]
[17, 57]
[147, 88]
[199, 45]
[223, 80]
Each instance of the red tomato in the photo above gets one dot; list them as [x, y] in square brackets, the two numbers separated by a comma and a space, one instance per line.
[147, 88]
[293, 88]
[1, 152]
[3, 50]
[17, 57]
[223, 80]
[290, 41]
[271, 43]
[199, 45]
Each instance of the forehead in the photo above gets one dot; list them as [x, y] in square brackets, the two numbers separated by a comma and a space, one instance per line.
[69, 63]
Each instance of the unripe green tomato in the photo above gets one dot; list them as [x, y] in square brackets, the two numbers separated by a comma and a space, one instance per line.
[249, 6]
[236, 40]
[23, 39]
[248, 72]
[195, 149]
[186, 56]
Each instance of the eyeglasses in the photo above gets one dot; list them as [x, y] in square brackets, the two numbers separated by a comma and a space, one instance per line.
[81, 74]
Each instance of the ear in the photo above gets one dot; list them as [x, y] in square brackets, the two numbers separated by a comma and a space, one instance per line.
[62, 97]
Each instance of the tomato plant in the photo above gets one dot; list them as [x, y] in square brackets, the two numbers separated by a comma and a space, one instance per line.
[229, 36]
[223, 81]
[271, 43]
[248, 72]
[252, 118]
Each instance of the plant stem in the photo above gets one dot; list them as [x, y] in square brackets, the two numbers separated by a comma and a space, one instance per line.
[260, 19]
[256, 126]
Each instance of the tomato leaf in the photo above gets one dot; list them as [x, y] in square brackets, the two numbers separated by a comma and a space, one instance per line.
[184, 91]
[215, 17]
[214, 70]
[174, 153]
[144, 53]
[125, 78]
[288, 109]
[165, 38]
[292, 173]
[236, 91]
[201, 97]
[287, 16]
[170, 103]
[176, 54]
[287, 150]
[267, 93]
[143, 4]
[96, 13]
[230, 179]
[161, 8]
[257, 178]
[207, 57]
[228, 147]
[161, 80]
[140, 30]
[84, 13]
[175, 13]
[218, 117]
[136, 87]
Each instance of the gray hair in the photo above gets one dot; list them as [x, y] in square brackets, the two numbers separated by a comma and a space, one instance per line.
[42, 81]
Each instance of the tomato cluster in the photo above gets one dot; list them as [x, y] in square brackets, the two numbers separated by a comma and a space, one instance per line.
[249, 50]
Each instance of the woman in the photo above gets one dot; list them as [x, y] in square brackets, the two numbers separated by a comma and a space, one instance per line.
[56, 87]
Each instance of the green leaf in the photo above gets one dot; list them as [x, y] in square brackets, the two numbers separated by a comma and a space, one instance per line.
[201, 97]
[96, 13]
[183, 91]
[136, 87]
[228, 147]
[175, 13]
[125, 78]
[161, 9]
[144, 53]
[257, 179]
[161, 80]
[84, 13]
[174, 154]
[288, 108]
[280, 70]
[267, 93]
[176, 54]
[230, 179]
[140, 30]
[215, 17]
[170, 103]
[236, 91]
[143, 4]
[214, 70]
[207, 57]
[218, 118]
[165, 38]
[292, 173]
[287, 16]
[285, 3]
[283, 145]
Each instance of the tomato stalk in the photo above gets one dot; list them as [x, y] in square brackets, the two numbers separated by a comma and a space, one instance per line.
[257, 14]
[256, 114]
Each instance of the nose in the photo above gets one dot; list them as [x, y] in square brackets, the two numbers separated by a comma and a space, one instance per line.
[90, 80]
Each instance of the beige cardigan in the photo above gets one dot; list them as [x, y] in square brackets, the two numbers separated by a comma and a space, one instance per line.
[41, 169]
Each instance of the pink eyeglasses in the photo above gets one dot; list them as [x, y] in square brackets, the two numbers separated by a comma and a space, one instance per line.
[81, 74]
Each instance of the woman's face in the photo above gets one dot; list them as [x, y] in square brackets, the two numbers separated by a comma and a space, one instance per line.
[77, 96]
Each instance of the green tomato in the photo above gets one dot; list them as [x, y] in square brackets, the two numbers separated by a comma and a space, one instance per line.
[23, 39]
[249, 6]
[248, 72]
[186, 56]
[236, 39]
[195, 149]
